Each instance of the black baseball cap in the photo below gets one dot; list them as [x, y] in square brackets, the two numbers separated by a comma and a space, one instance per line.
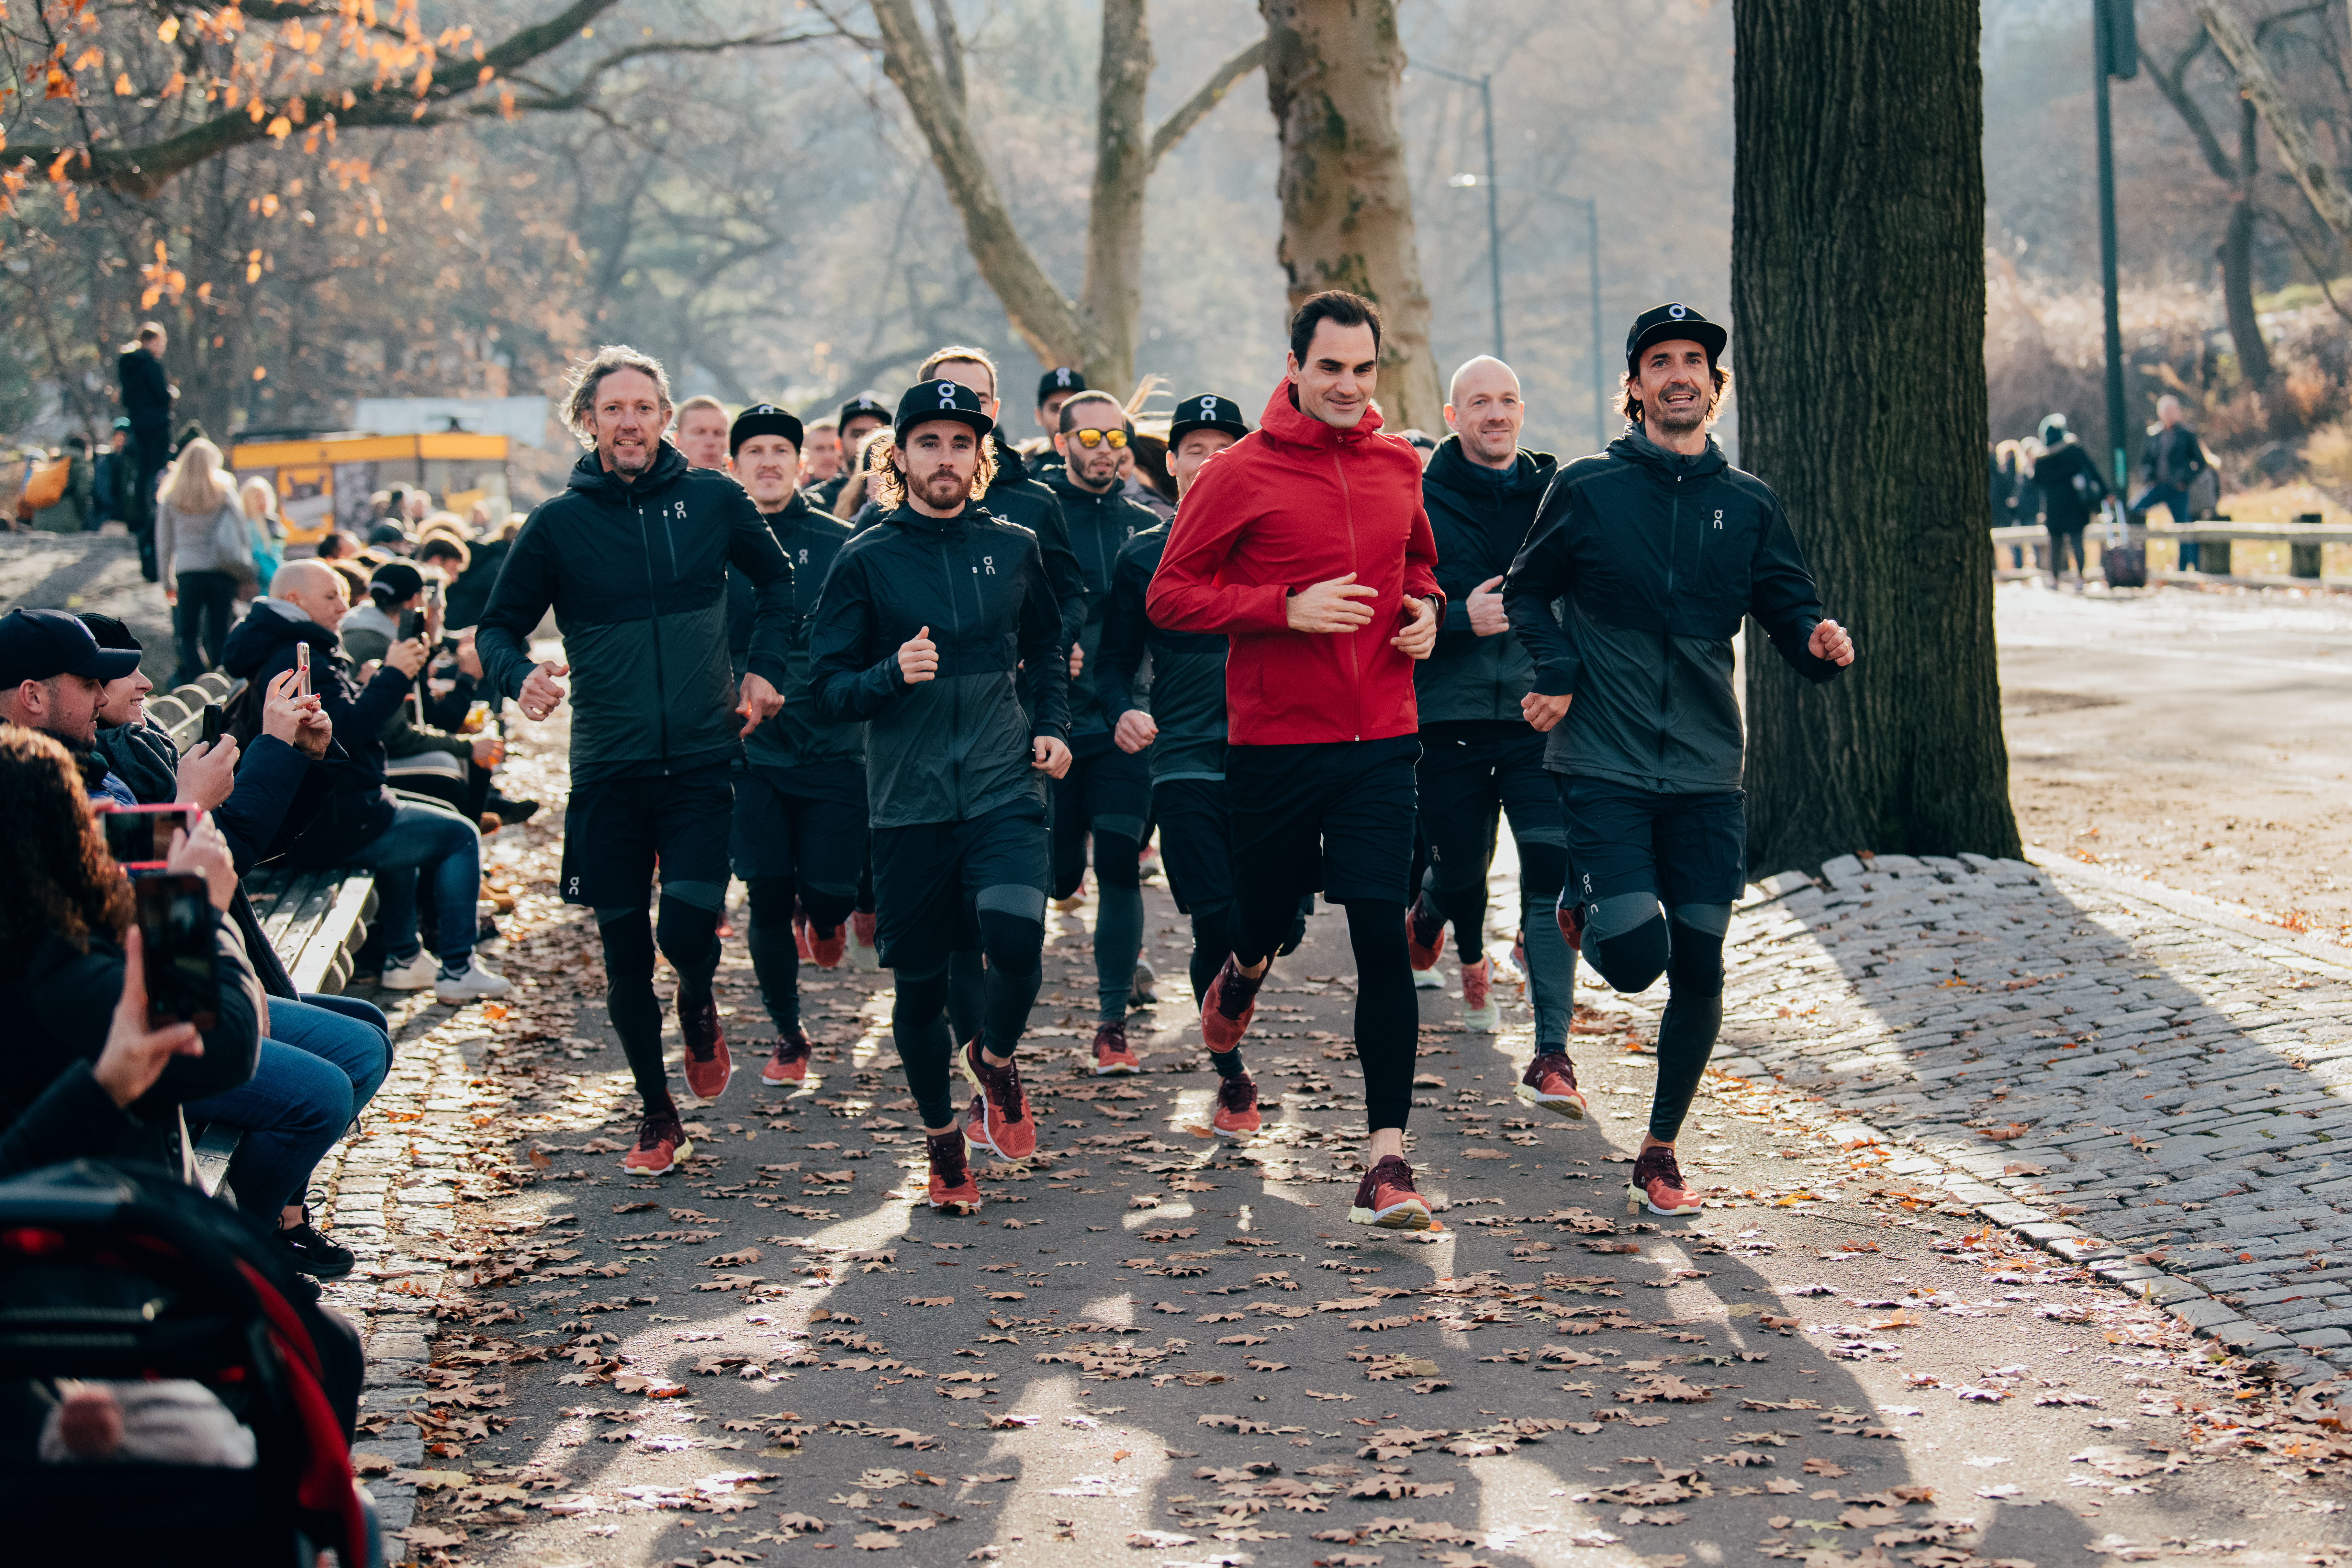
[41, 645]
[929, 400]
[109, 632]
[868, 404]
[1664, 323]
[1206, 411]
[764, 419]
[403, 579]
[1061, 378]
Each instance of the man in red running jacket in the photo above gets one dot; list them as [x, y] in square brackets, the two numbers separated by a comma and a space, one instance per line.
[1305, 544]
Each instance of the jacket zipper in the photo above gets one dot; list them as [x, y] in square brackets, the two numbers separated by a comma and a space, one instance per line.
[955, 717]
[653, 599]
[1355, 661]
[1666, 631]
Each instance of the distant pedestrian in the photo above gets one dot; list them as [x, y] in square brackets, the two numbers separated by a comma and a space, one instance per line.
[2170, 465]
[112, 477]
[202, 538]
[2012, 473]
[147, 395]
[2070, 491]
[73, 510]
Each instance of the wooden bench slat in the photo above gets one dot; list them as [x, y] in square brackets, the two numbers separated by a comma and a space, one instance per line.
[325, 963]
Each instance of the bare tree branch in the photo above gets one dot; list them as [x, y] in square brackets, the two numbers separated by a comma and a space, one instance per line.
[2319, 184]
[1195, 109]
[2174, 86]
[944, 22]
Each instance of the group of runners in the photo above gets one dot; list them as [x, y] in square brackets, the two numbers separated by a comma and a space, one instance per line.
[1329, 672]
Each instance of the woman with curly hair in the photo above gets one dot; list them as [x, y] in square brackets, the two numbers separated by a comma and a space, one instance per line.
[65, 940]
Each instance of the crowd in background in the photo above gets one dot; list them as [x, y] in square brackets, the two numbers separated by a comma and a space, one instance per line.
[2050, 479]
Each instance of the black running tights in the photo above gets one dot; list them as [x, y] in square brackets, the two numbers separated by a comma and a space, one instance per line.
[689, 940]
[775, 955]
[920, 1012]
[1387, 1018]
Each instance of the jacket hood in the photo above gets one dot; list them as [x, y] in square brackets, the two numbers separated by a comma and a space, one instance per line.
[271, 626]
[1011, 469]
[914, 521]
[1450, 468]
[1283, 422]
[589, 478]
[1636, 446]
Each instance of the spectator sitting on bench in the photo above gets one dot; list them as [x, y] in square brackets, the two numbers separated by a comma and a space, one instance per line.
[363, 825]
[368, 633]
[324, 1056]
[53, 678]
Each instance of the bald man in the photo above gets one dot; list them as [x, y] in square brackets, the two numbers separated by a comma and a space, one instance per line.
[361, 824]
[1479, 757]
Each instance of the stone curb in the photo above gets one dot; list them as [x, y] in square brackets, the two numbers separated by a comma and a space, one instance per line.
[2183, 1300]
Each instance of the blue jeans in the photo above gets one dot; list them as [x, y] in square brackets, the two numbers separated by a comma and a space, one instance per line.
[2176, 502]
[419, 837]
[323, 1060]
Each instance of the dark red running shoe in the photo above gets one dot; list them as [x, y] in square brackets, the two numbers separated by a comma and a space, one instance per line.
[1232, 1001]
[1571, 923]
[708, 1065]
[1386, 1198]
[1425, 933]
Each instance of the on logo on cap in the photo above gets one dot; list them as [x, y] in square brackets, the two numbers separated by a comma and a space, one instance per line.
[1677, 311]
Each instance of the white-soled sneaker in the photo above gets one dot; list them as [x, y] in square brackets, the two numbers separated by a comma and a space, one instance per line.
[1428, 980]
[479, 983]
[414, 976]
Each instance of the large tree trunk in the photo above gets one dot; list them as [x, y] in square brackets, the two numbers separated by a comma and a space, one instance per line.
[1111, 298]
[1858, 306]
[1331, 72]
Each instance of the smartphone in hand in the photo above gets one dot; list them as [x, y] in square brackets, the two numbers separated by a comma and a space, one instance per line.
[211, 732]
[176, 927]
[412, 626]
[302, 669]
[140, 836]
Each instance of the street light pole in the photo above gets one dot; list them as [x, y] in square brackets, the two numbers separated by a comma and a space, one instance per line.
[1485, 86]
[2116, 48]
[1592, 276]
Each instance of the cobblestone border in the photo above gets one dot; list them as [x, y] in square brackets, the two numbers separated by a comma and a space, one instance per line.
[2165, 1076]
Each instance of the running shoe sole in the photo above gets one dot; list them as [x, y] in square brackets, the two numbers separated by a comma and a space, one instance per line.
[769, 1075]
[683, 1152]
[1257, 1124]
[1428, 980]
[1559, 1104]
[975, 1127]
[1484, 1020]
[717, 1094]
[1116, 1068]
[1396, 1217]
[955, 1204]
[1636, 1200]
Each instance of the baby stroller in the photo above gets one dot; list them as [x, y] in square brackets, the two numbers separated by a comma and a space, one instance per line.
[115, 1278]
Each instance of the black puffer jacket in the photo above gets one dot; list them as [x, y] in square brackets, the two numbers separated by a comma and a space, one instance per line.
[1480, 517]
[1100, 526]
[1187, 695]
[797, 737]
[637, 574]
[957, 746]
[1659, 555]
[344, 801]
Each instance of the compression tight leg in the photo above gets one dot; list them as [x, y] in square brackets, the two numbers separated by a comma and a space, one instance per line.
[918, 1025]
[1388, 1020]
[1014, 944]
[1694, 1015]
[1118, 922]
[1551, 967]
[630, 1002]
[776, 956]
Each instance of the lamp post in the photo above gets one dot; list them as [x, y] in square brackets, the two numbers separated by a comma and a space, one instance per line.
[1592, 276]
[2116, 48]
[1485, 86]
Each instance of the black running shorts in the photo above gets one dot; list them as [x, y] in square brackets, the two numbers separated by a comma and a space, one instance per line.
[780, 832]
[616, 830]
[1687, 848]
[1196, 841]
[1337, 816]
[931, 879]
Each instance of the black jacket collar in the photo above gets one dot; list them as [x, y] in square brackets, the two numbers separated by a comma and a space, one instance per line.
[1451, 471]
[1636, 446]
[589, 475]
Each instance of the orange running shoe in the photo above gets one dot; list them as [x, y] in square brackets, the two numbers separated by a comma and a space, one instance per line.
[999, 1120]
[1113, 1056]
[1571, 923]
[1658, 1181]
[800, 929]
[825, 950]
[791, 1062]
[1232, 1001]
[1237, 1114]
[1480, 1012]
[1425, 933]
[1550, 1082]
[864, 956]
[952, 1190]
[1386, 1198]
[708, 1065]
[661, 1143]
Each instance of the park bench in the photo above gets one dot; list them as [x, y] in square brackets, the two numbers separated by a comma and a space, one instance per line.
[315, 920]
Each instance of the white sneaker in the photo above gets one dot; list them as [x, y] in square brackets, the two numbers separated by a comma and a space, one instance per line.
[1428, 979]
[478, 983]
[414, 976]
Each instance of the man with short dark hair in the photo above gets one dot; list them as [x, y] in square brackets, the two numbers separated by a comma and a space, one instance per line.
[1480, 760]
[634, 558]
[702, 426]
[1306, 545]
[1182, 725]
[933, 628]
[1107, 794]
[799, 839]
[1056, 387]
[53, 679]
[859, 418]
[1660, 548]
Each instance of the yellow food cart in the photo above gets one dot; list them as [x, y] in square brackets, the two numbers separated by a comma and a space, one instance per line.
[323, 481]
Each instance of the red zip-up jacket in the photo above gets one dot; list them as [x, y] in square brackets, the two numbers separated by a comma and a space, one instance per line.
[1294, 503]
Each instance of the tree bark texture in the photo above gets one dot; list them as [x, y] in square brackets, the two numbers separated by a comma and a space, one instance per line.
[1331, 74]
[1110, 299]
[1858, 308]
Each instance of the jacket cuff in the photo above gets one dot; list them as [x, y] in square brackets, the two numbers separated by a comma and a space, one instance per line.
[1457, 618]
[768, 668]
[1556, 682]
[1260, 609]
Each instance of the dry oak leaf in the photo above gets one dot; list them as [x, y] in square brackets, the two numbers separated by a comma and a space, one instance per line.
[744, 1258]
[1821, 1467]
[731, 1283]
[1781, 1486]
[875, 1541]
[431, 1537]
[927, 1301]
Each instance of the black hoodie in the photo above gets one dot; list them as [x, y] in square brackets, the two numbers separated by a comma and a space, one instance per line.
[1100, 525]
[1187, 696]
[1479, 517]
[797, 739]
[957, 746]
[1659, 555]
[637, 574]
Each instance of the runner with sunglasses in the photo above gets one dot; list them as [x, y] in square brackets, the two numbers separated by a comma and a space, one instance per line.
[1107, 792]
